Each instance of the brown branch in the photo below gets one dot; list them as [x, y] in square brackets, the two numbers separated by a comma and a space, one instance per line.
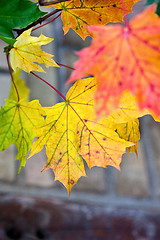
[49, 2]
[38, 21]
[47, 22]
[63, 65]
[10, 71]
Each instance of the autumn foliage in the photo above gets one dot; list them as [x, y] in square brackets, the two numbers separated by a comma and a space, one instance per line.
[99, 117]
[113, 46]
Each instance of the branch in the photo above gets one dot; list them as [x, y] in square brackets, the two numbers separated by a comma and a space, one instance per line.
[10, 71]
[49, 2]
[63, 65]
[38, 21]
[47, 22]
[55, 89]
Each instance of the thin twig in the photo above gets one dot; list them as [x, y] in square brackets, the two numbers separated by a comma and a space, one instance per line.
[49, 85]
[10, 71]
[49, 2]
[63, 65]
[38, 21]
[47, 22]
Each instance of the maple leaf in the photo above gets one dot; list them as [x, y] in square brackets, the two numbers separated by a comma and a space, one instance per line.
[124, 119]
[122, 57]
[16, 14]
[76, 14]
[18, 123]
[22, 89]
[129, 131]
[128, 109]
[27, 50]
[70, 129]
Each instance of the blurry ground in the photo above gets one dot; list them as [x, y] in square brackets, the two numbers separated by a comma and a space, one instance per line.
[31, 218]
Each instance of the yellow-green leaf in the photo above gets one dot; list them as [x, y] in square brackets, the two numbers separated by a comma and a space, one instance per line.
[18, 125]
[27, 50]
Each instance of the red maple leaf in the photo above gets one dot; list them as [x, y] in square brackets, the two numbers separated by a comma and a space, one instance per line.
[124, 57]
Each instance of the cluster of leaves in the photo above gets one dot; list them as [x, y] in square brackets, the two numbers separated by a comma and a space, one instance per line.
[98, 119]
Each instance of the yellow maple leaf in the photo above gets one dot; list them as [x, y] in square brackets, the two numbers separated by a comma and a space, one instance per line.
[27, 50]
[130, 132]
[124, 119]
[77, 14]
[127, 110]
[70, 129]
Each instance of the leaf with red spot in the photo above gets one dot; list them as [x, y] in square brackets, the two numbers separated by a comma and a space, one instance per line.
[124, 57]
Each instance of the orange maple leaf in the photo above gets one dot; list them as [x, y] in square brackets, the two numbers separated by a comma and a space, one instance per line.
[124, 57]
[77, 14]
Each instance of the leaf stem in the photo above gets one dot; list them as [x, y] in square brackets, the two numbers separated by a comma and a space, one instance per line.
[47, 22]
[10, 71]
[63, 65]
[49, 85]
[38, 21]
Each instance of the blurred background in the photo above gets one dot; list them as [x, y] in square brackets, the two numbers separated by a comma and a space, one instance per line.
[106, 205]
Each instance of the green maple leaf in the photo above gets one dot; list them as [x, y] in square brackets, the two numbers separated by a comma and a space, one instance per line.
[16, 14]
